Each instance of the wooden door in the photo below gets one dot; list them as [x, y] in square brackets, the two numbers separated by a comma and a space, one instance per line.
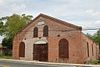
[22, 49]
[40, 52]
[63, 49]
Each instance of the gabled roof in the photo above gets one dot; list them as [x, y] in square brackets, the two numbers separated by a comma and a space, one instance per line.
[54, 19]
[60, 21]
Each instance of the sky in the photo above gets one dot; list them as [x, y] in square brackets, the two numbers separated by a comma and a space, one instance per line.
[85, 13]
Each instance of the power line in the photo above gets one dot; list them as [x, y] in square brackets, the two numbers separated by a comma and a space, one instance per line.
[90, 28]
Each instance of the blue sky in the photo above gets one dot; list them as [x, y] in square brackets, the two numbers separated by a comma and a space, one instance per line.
[85, 13]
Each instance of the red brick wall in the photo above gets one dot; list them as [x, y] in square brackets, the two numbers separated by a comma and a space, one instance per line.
[92, 48]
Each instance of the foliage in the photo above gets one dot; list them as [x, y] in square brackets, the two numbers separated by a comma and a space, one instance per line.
[1, 28]
[7, 43]
[94, 61]
[96, 37]
[5, 57]
[14, 23]
[10, 25]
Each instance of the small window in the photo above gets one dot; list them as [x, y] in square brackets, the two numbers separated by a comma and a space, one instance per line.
[45, 31]
[35, 32]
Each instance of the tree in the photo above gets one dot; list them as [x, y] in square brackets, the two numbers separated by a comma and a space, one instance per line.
[15, 23]
[10, 25]
[96, 37]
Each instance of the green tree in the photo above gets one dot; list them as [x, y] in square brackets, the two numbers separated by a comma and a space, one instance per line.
[15, 23]
[10, 25]
[96, 37]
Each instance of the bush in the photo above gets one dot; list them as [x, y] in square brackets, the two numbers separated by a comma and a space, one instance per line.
[94, 61]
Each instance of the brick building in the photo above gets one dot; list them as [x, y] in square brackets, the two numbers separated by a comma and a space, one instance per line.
[49, 39]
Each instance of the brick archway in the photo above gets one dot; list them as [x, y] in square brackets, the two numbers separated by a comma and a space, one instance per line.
[22, 49]
[63, 48]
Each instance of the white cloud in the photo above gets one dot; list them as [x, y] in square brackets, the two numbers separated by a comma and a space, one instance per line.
[18, 8]
[1, 2]
[90, 11]
[97, 23]
[93, 12]
[96, 13]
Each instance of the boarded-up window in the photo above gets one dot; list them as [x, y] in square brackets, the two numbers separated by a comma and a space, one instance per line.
[35, 32]
[63, 49]
[88, 49]
[92, 50]
[22, 49]
[45, 31]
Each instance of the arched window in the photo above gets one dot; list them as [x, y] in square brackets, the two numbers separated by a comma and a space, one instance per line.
[45, 31]
[35, 32]
[63, 49]
[22, 49]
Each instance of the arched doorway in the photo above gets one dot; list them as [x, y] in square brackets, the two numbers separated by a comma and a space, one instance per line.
[22, 49]
[40, 51]
[63, 49]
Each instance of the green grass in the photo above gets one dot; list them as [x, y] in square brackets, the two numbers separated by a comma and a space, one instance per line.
[5, 57]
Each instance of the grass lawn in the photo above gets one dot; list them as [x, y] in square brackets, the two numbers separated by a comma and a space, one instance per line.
[5, 57]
